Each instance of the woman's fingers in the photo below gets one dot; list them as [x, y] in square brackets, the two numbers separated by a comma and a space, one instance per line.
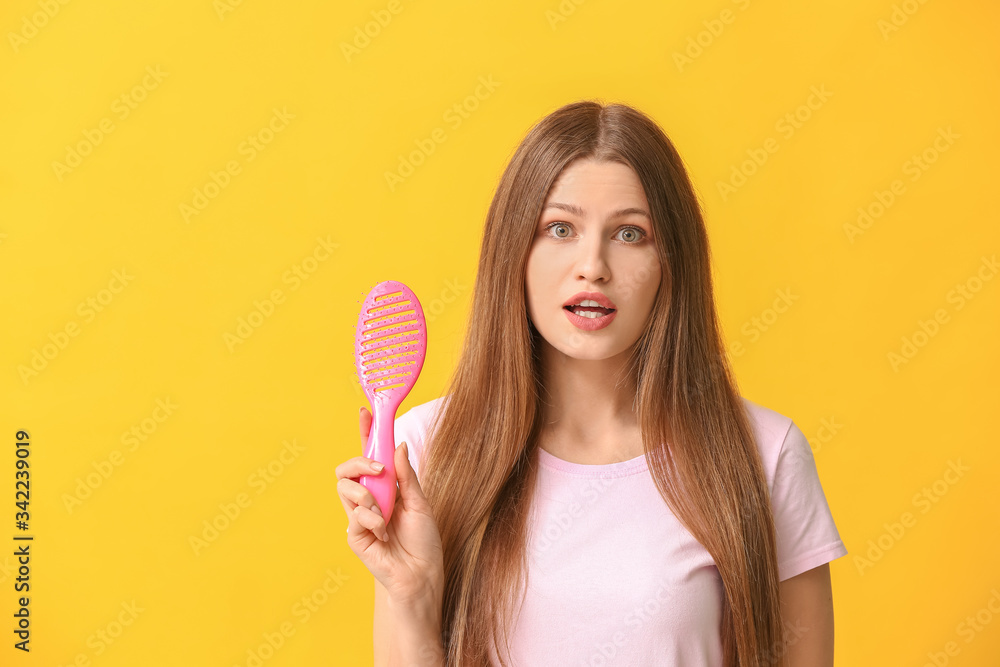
[356, 467]
[373, 521]
[357, 500]
[355, 529]
[354, 494]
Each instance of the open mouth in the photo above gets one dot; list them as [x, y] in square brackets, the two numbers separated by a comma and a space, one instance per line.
[591, 312]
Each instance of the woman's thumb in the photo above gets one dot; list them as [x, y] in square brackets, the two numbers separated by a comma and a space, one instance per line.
[409, 487]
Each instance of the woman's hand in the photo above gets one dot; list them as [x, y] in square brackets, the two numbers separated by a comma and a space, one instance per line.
[406, 555]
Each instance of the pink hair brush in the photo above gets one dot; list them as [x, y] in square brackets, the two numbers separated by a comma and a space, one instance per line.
[390, 343]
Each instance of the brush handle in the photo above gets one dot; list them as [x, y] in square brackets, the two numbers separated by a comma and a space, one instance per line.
[381, 447]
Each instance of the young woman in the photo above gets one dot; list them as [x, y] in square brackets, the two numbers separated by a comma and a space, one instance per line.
[593, 490]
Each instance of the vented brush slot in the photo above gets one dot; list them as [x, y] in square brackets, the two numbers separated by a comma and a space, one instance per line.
[401, 384]
[371, 322]
[388, 367]
[391, 339]
[372, 356]
[386, 360]
[384, 378]
[387, 306]
[369, 332]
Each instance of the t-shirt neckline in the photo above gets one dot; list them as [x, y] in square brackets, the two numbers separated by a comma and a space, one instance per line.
[602, 470]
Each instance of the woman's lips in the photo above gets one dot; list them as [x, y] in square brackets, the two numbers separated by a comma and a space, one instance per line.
[598, 298]
[590, 323]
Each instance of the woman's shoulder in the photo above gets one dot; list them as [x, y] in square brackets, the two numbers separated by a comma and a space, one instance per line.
[768, 424]
[805, 531]
[776, 434]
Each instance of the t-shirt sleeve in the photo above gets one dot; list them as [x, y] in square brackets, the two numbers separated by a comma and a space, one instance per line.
[806, 533]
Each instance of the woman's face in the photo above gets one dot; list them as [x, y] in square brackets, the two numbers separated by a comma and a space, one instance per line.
[594, 235]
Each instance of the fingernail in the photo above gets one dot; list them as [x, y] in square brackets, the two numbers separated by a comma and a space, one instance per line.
[376, 466]
[375, 508]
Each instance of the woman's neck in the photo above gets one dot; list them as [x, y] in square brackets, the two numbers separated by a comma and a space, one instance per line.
[587, 409]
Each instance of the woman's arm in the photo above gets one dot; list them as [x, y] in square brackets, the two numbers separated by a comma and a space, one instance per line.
[409, 636]
[807, 613]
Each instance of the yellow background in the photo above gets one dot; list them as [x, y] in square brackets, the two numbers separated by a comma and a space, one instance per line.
[890, 430]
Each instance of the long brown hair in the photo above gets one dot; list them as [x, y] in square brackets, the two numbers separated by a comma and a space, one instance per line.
[480, 459]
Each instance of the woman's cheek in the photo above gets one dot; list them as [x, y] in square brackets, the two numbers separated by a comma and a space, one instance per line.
[639, 279]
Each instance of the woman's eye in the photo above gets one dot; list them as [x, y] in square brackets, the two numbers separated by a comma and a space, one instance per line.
[634, 235]
[630, 235]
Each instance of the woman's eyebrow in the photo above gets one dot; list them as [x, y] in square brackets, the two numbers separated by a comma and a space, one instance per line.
[576, 210]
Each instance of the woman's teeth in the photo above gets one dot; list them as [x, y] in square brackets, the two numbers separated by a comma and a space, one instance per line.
[589, 309]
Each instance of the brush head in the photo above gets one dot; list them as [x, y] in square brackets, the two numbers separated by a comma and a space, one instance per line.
[390, 343]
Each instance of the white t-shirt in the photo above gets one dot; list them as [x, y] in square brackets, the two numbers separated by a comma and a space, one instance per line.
[615, 579]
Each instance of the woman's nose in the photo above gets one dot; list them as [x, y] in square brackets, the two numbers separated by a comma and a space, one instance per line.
[591, 261]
